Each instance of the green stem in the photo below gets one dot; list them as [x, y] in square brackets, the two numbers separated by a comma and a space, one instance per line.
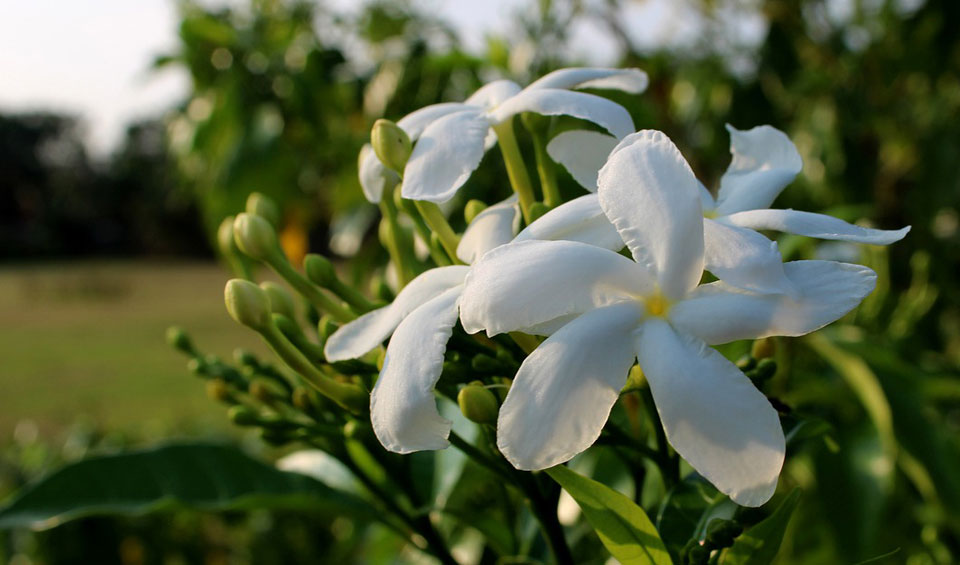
[312, 292]
[516, 169]
[401, 255]
[437, 254]
[547, 173]
[438, 223]
[526, 342]
[669, 464]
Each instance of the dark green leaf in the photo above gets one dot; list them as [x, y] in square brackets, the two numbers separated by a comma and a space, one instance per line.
[686, 510]
[623, 527]
[198, 476]
[760, 544]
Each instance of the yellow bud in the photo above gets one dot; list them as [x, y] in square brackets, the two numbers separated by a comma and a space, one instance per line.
[247, 303]
[225, 238]
[262, 206]
[218, 390]
[391, 144]
[478, 404]
[473, 209]
[763, 348]
[255, 236]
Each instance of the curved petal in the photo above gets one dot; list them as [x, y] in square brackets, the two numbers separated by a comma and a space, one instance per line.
[633, 81]
[491, 228]
[415, 122]
[580, 219]
[445, 156]
[819, 226]
[764, 161]
[553, 102]
[712, 414]
[521, 285]
[582, 153]
[650, 194]
[826, 291]
[564, 390]
[493, 93]
[403, 409]
[373, 175]
[359, 336]
[744, 258]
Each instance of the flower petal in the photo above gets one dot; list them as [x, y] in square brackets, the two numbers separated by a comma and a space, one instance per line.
[564, 390]
[650, 194]
[521, 285]
[744, 258]
[359, 336]
[493, 93]
[764, 161]
[633, 81]
[445, 156]
[373, 175]
[582, 153]
[712, 414]
[826, 290]
[580, 219]
[491, 228]
[415, 122]
[403, 409]
[809, 224]
[706, 199]
[553, 102]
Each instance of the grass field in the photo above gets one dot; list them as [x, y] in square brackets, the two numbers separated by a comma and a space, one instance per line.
[85, 341]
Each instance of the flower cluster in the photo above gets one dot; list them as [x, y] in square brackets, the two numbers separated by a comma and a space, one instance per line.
[592, 287]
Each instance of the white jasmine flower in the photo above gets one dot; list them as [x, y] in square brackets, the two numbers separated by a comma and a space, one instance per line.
[611, 310]
[764, 162]
[451, 138]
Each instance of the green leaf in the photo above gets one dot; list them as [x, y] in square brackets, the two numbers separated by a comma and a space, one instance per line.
[687, 508]
[760, 544]
[197, 476]
[623, 527]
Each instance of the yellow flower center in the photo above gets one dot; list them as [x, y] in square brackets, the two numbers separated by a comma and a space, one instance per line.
[710, 214]
[657, 305]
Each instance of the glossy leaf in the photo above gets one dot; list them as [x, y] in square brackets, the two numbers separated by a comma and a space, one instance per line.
[197, 476]
[760, 544]
[623, 527]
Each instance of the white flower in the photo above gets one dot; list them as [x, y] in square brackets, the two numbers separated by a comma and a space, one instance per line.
[451, 138]
[611, 310]
[764, 162]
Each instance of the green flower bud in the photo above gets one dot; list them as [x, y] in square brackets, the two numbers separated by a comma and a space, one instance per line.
[478, 404]
[196, 367]
[473, 209]
[538, 209]
[391, 144]
[262, 206]
[255, 236]
[302, 399]
[276, 438]
[765, 370]
[721, 533]
[225, 238]
[247, 303]
[242, 416]
[764, 348]
[265, 390]
[217, 389]
[483, 363]
[746, 363]
[179, 340]
[320, 270]
[280, 300]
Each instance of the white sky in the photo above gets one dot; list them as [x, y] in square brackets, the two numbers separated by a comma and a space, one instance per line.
[92, 57]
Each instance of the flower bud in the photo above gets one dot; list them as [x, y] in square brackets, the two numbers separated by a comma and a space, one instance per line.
[247, 303]
[538, 209]
[179, 340]
[302, 399]
[225, 238]
[245, 358]
[196, 367]
[320, 270]
[391, 144]
[746, 363]
[255, 236]
[478, 404]
[483, 363]
[265, 390]
[473, 209]
[721, 533]
[217, 389]
[763, 348]
[262, 206]
[280, 300]
[242, 416]
[765, 370]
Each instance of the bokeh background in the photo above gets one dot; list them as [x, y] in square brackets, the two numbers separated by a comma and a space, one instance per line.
[129, 130]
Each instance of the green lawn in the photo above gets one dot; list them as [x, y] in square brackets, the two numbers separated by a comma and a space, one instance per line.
[85, 341]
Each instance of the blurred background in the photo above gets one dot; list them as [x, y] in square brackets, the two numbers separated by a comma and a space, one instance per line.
[128, 131]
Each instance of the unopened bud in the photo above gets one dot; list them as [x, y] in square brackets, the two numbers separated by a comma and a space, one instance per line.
[483, 363]
[280, 300]
[478, 404]
[247, 303]
[391, 144]
[746, 363]
[255, 236]
[264, 207]
[217, 389]
[265, 390]
[473, 209]
[242, 416]
[765, 370]
[275, 438]
[538, 209]
[225, 238]
[302, 399]
[721, 533]
[764, 348]
[196, 366]
[320, 270]
[179, 340]
[245, 358]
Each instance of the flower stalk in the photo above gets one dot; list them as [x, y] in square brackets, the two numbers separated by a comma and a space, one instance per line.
[516, 169]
